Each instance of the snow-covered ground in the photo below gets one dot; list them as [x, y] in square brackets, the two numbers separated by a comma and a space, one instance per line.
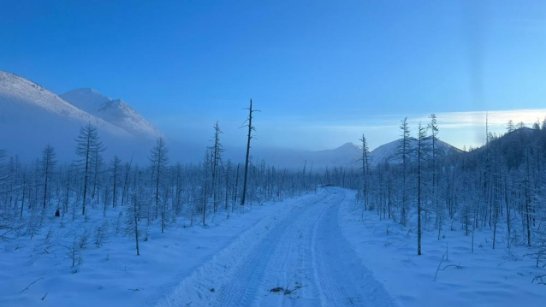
[448, 273]
[313, 250]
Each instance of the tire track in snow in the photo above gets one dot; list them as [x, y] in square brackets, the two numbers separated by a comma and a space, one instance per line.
[303, 251]
[232, 276]
[343, 279]
[273, 263]
[290, 267]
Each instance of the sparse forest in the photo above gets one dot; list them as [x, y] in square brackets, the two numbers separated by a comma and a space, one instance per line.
[77, 207]
[392, 153]
[497, 188]
[98, 199]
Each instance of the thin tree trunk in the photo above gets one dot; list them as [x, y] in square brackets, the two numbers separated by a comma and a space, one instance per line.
[247, 157]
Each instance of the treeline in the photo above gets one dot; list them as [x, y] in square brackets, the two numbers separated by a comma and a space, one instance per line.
[138, 197]
[500, 187]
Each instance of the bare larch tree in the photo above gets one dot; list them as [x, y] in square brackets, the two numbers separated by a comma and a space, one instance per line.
[247, 156]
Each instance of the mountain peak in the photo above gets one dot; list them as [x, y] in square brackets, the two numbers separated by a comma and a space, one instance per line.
[115, 111]
[17, 92]
[389, 152]
[349, 145]
[32, 116]
[348, 149]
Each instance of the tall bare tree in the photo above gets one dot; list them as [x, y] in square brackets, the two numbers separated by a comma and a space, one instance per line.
[434, 130]
[404, 152]
[116, 168]
[48, 162]
[215, 163]
[159, 159]
[247, 156]
[88, 145]
[365, 171]
[420, 156]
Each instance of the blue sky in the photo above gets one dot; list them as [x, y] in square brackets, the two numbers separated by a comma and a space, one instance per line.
[321, 72]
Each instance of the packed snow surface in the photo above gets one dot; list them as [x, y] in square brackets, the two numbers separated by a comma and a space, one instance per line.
[313, 250]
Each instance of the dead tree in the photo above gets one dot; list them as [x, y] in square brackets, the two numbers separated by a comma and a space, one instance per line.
[247, 157]
[420, 155]
[433, 126]
[158, 158]
[404, 152]
[216, 159]
[48, 162]
[116, 165]
[88, 145]
[135, 212]
[365, 171]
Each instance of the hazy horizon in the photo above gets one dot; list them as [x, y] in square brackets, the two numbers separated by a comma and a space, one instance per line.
[321, 74]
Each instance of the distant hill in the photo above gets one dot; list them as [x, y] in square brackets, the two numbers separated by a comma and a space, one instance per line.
[347, 155]
[511, 148]
[390, 152]
[32, 117]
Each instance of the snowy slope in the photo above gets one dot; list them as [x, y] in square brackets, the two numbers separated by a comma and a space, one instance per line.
[17, 94]
[449, 273]
[114, 111]
[32, 117]
[390, 152]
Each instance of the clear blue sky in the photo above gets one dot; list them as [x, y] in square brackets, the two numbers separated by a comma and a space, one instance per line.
[321, 72]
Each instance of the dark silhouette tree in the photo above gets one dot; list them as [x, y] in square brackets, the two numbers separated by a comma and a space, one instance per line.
[404, 152]
[48, 163]
[247, 156]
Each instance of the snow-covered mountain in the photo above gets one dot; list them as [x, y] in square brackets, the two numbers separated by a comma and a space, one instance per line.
[18, 94]
[114, 111]
[390, 152]
[32, 117]
[347, 155]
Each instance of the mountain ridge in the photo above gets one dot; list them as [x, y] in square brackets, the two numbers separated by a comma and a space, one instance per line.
[389, 152]
[32, 116]
[114, 111]
[348, 155]
[56, 119]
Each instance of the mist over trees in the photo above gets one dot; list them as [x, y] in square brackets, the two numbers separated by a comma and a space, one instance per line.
[121, 198]
[498, 188]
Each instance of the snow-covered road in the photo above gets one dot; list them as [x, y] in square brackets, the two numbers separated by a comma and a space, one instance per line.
[298, 259]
